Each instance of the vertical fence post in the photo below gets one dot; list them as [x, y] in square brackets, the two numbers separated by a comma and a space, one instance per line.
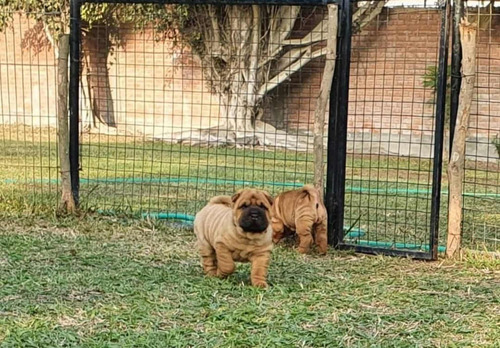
[74, 132]
[337, 128]
[331, 154]
[456, 64]
[439, 129]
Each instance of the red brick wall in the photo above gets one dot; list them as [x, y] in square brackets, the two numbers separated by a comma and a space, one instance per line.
[27, 78]
[486, 101]
[389, 59]
[155, 90]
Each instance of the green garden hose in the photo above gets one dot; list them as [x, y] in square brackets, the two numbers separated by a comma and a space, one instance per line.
[187, 219]
[245, 183]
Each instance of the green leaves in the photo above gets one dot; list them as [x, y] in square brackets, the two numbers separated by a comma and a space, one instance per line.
[430, 77]
[164, 19]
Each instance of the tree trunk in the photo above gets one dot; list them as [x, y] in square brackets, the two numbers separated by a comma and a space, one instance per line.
[457, 159]
[67, 203]
[322, 101]
[254, 60]
[247, 52]
[101, 100]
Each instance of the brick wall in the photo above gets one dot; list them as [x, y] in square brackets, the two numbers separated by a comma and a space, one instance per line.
[388, 61]
[156, 89]
[27, 77]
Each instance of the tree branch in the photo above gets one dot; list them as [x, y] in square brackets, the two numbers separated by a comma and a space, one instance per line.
[281, 26]
[283, 75]
[367, 15]
[315, 35]
[291, 57]
[216, 37]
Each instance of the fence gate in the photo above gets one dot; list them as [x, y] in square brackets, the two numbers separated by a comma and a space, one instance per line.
[389, 123]
[173, 102]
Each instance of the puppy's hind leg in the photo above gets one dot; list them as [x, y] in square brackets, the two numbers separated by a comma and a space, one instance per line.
[304, 226]
[321, 237]
[278, 230]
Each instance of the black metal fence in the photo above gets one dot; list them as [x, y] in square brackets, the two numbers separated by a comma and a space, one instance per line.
[396, 121]
[182, 123]
[481, 219]
[174, 102]
[28, 140]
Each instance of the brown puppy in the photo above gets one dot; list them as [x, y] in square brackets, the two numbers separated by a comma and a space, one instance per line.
[303, 212]
[236, 228]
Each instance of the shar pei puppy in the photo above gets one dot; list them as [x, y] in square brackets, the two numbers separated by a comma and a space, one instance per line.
[236, 229]
[302, 212]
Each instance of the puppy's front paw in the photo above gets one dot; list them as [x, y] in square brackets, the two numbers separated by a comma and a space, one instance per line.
[303, 250]
[260, 284]
[221, 274]
[323, 251]
[211, 272]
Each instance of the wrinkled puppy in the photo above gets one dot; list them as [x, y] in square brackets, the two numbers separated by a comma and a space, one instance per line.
[303, 212]
[236, 228]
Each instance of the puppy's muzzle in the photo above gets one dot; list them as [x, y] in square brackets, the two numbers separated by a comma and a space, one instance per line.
[255, 215]
[254, 219]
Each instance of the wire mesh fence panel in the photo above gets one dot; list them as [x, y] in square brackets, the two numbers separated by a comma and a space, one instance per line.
[28, 148]
[481, 220]
[179, 103]
[182, 102]
[391, 127]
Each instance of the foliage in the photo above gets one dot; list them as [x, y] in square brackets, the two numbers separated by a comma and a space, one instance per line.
[496, 142]
[53, 13]
[55, 16]
[430, 80]
[163, 19]
[430, 77]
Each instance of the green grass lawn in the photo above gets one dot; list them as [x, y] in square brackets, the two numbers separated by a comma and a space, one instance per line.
[386, 196]
[109, 282]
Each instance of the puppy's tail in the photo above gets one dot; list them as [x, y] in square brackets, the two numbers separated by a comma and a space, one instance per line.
[312, 193]
[224, 200]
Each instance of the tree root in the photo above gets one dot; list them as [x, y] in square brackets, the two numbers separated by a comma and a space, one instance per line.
[263, 135]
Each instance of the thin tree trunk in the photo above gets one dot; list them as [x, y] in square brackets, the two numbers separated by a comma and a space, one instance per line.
[101, 99]
[67, 203]
[322, 101]
[254, 61]
[457, 160]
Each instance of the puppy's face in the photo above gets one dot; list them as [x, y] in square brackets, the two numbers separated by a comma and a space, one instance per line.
[252, 210]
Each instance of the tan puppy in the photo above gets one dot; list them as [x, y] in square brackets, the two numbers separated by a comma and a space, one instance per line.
[303, 212]
[236, 228]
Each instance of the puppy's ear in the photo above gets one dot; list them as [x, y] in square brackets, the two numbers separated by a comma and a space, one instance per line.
[269, 198]
[236, 196]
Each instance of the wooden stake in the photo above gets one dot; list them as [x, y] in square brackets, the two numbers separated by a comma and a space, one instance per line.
[67, 203]
[457, 159]
[322, 101]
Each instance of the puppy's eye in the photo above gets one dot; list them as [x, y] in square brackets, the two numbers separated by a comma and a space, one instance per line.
[244, 206]
[262, 206]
